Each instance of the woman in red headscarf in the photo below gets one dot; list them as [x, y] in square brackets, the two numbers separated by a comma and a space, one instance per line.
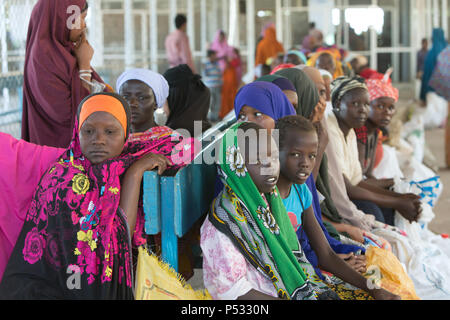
[57, 73]
[383, 97]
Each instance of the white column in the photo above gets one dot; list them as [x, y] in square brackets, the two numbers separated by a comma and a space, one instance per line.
[287, 32]
[96, 36]
[225, 10]
[251, 42]
[396, 41]
[444, 17]
[129, 34]
[435, 14]
[233, 37]
[279, 19]
[203, 28]
[191, 24]
[172, 14]
[144, 40]
[213, 19]
[4, 70]
[152, 5]
[3, 37]
[429, 16]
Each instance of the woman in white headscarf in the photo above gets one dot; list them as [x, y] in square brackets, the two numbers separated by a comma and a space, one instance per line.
[145, 91]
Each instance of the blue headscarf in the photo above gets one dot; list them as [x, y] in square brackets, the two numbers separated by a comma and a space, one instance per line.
[265, 97]
[439, 44]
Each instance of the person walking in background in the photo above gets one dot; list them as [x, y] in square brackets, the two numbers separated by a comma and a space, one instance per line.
[440, 82]
[177, 45]
[421, 55]
[268, 47]
[439, 44]
[212, 77]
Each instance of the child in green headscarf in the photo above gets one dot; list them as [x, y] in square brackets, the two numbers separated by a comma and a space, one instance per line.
[250, 249]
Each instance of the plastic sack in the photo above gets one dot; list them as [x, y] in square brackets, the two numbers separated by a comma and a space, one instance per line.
[385, 271]
[156, 280]
[429, 189]
[389, 167]
[414, 133]
[436, 111]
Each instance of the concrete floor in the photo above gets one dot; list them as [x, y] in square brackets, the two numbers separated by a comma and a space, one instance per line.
[435, 141]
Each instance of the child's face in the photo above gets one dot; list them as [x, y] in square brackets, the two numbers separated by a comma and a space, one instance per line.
[298, 155]
[213, 57]
[142, 103]
[354, 108]
[251, 114]
[101, 137]
[263, 163]
[381, 111]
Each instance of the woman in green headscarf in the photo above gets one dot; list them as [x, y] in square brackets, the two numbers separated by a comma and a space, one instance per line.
[250, 249]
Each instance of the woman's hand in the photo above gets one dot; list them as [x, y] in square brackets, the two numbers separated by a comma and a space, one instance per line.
[83, 53]
[151, 161]
[410, 207]
[319, 111]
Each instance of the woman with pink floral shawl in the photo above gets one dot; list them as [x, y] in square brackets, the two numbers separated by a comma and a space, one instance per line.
[75, 242]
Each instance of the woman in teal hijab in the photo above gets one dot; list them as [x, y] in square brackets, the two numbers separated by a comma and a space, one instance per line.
[439, 44]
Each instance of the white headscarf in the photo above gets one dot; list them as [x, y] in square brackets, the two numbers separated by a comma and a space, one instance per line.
[153, 79]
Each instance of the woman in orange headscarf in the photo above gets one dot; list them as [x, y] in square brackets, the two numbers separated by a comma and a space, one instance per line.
[268, 47]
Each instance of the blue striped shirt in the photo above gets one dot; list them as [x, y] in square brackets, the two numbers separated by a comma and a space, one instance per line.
[212, 75]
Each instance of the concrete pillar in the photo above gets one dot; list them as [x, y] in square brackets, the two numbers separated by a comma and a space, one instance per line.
[152, 5]
[129, 34]
[251, 41]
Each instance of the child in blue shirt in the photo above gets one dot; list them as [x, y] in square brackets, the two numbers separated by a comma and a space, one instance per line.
[298, 143]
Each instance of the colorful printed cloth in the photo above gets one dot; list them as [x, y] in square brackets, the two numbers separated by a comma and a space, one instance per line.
[75, 242]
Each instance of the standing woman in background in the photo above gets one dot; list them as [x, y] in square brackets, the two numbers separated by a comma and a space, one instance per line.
[57, 73]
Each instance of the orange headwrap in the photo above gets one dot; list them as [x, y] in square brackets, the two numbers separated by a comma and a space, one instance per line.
[105, 103]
